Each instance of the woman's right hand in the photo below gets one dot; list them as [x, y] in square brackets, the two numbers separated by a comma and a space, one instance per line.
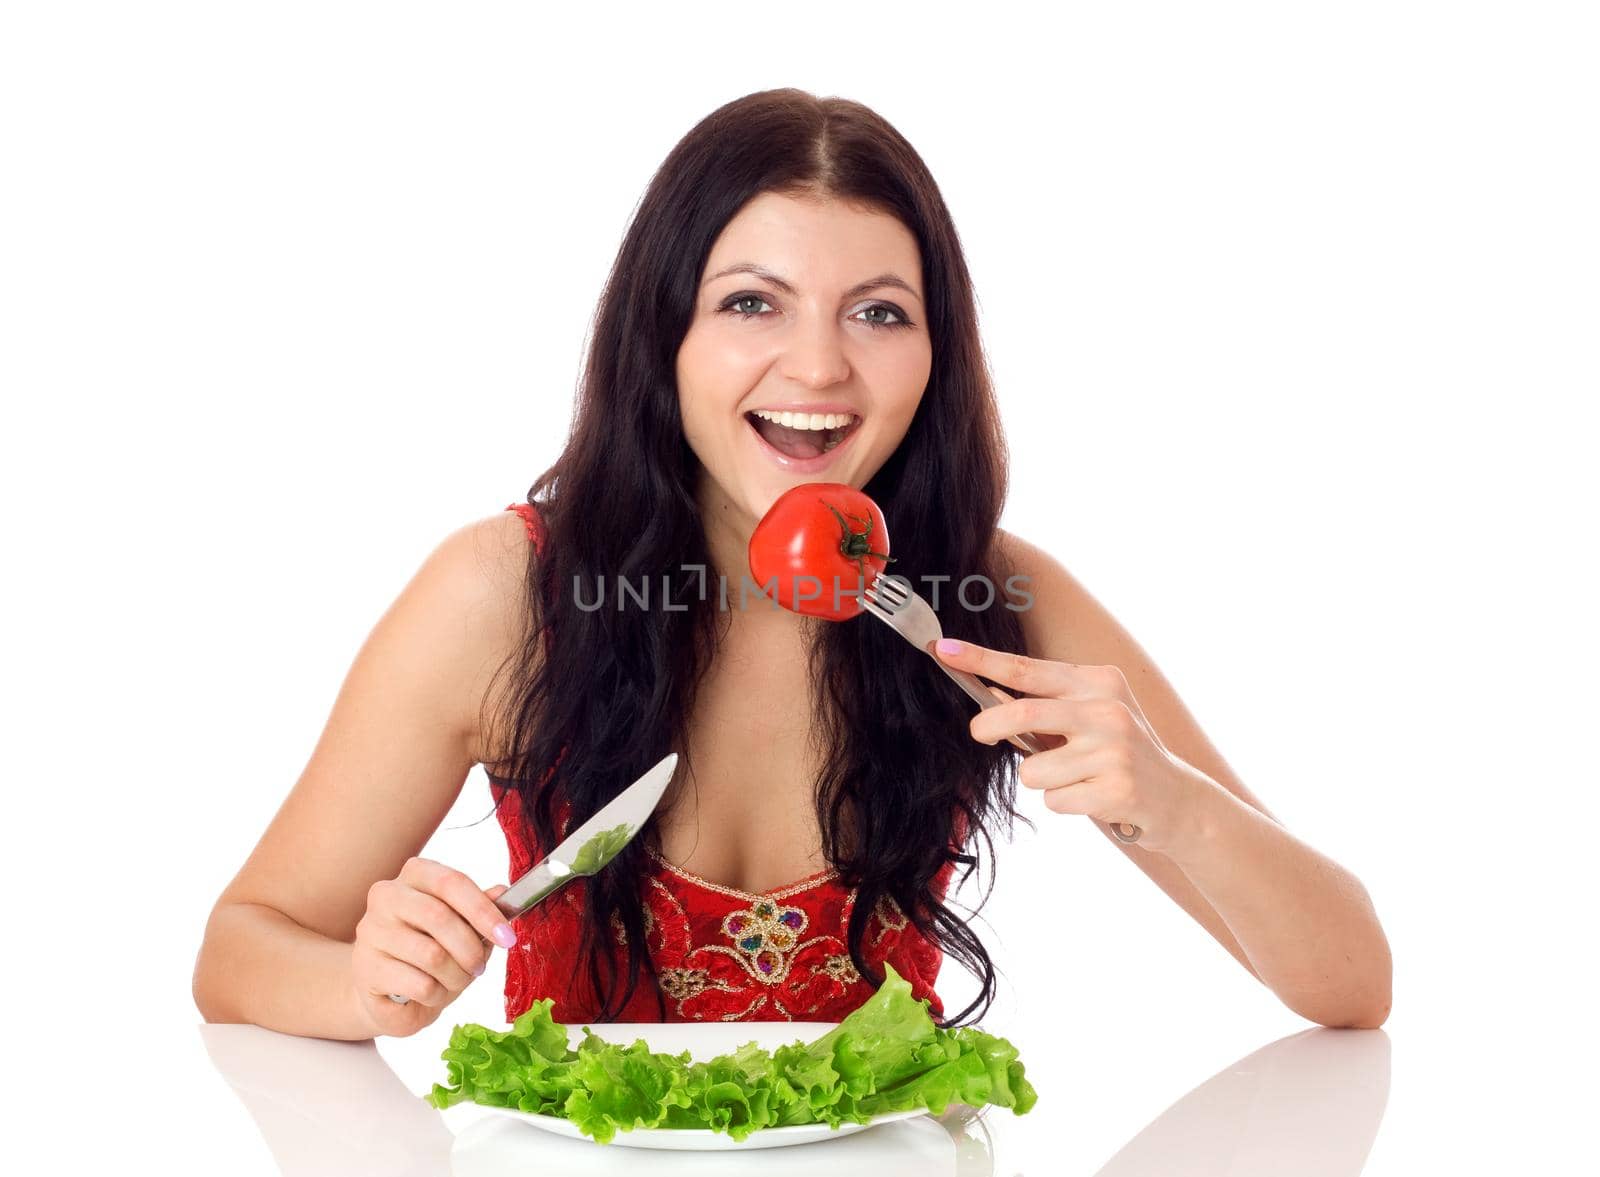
[426, 935]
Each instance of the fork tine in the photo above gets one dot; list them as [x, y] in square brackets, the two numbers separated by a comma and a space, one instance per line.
[892, 589]
[875, 609]
[889, 604]
[882, 583]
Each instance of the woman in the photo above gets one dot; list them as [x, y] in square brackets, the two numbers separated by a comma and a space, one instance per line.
[792, 255]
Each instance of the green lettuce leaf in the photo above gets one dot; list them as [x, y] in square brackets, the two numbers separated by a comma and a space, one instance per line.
[601, 849]
[887, 1055]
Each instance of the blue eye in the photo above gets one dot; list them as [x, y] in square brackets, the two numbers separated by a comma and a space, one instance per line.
[735, 304]
[900, 317]
[732, 304]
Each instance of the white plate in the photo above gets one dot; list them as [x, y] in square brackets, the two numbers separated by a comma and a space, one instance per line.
[704, 1041]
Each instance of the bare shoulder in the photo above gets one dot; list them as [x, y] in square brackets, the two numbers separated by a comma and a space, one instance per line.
[1066, 622]
[465, 592]
[479, 577]
[484, 564]
[1062, 620]
[457, 621]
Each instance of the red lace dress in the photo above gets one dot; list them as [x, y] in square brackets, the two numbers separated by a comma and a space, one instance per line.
[721, 954]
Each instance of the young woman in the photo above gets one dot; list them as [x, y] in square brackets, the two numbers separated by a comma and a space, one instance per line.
[792, 256]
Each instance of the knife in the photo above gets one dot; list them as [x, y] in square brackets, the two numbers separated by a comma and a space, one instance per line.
[593, 844]
[590, 847]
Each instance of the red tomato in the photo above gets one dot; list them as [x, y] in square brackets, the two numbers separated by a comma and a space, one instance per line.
[823, 542]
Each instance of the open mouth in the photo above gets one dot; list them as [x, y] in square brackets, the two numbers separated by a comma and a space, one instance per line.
[803, 435]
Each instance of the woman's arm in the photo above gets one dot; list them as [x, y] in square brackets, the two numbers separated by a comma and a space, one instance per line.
[1306, 923]
[390, 762]
[1297, 920]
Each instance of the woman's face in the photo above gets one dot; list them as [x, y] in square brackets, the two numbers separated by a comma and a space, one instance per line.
[812, 308]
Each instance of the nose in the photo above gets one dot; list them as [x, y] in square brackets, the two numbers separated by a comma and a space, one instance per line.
[815, 355]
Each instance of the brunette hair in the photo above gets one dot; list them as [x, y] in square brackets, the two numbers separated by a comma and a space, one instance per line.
[596, 696]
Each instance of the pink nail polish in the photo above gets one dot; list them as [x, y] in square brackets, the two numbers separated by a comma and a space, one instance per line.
[949, 646]
[504, 936]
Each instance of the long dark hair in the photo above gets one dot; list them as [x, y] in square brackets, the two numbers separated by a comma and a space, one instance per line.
[596, 696]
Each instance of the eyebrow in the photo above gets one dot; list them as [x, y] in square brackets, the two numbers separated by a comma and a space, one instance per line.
[885, 279]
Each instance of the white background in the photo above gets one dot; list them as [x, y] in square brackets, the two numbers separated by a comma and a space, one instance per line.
[1292, 311]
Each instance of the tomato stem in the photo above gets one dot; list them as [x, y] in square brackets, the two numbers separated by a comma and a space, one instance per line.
[855, 545]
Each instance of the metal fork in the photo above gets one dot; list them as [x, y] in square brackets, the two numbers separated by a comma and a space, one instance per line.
[912, 618]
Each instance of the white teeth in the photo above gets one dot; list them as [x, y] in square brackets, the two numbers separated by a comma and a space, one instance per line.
[808, 420]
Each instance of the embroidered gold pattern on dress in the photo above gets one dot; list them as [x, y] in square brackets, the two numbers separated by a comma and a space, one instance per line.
[747, 1011]
[621, 933]
[682, 984]
[890, 918]
[783, 892]
[764, 958]
[840, 967]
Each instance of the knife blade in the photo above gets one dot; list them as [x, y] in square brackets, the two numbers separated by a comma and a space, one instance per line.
[593, 844]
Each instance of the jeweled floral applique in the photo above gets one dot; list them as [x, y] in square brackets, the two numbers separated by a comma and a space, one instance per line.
[765, 934]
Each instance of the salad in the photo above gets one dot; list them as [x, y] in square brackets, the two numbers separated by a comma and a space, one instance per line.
[887, 1055]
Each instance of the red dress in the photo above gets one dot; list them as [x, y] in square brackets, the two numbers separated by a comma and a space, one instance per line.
[721, 954]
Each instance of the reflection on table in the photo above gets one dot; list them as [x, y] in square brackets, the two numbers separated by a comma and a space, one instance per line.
[1309, 1104]
[330, 1107]
[955, 1146]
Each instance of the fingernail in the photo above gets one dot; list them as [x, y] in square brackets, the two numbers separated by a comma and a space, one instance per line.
[504, 936]
[949, 646]
[478, 972]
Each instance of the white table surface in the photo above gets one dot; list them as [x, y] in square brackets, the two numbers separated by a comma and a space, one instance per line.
[1309, 1103]
[1153, 1052]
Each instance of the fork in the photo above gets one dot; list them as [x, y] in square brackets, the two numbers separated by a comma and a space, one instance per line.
[905, 612]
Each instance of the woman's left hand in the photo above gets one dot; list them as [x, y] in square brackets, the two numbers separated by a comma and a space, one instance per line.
[1102, 758]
